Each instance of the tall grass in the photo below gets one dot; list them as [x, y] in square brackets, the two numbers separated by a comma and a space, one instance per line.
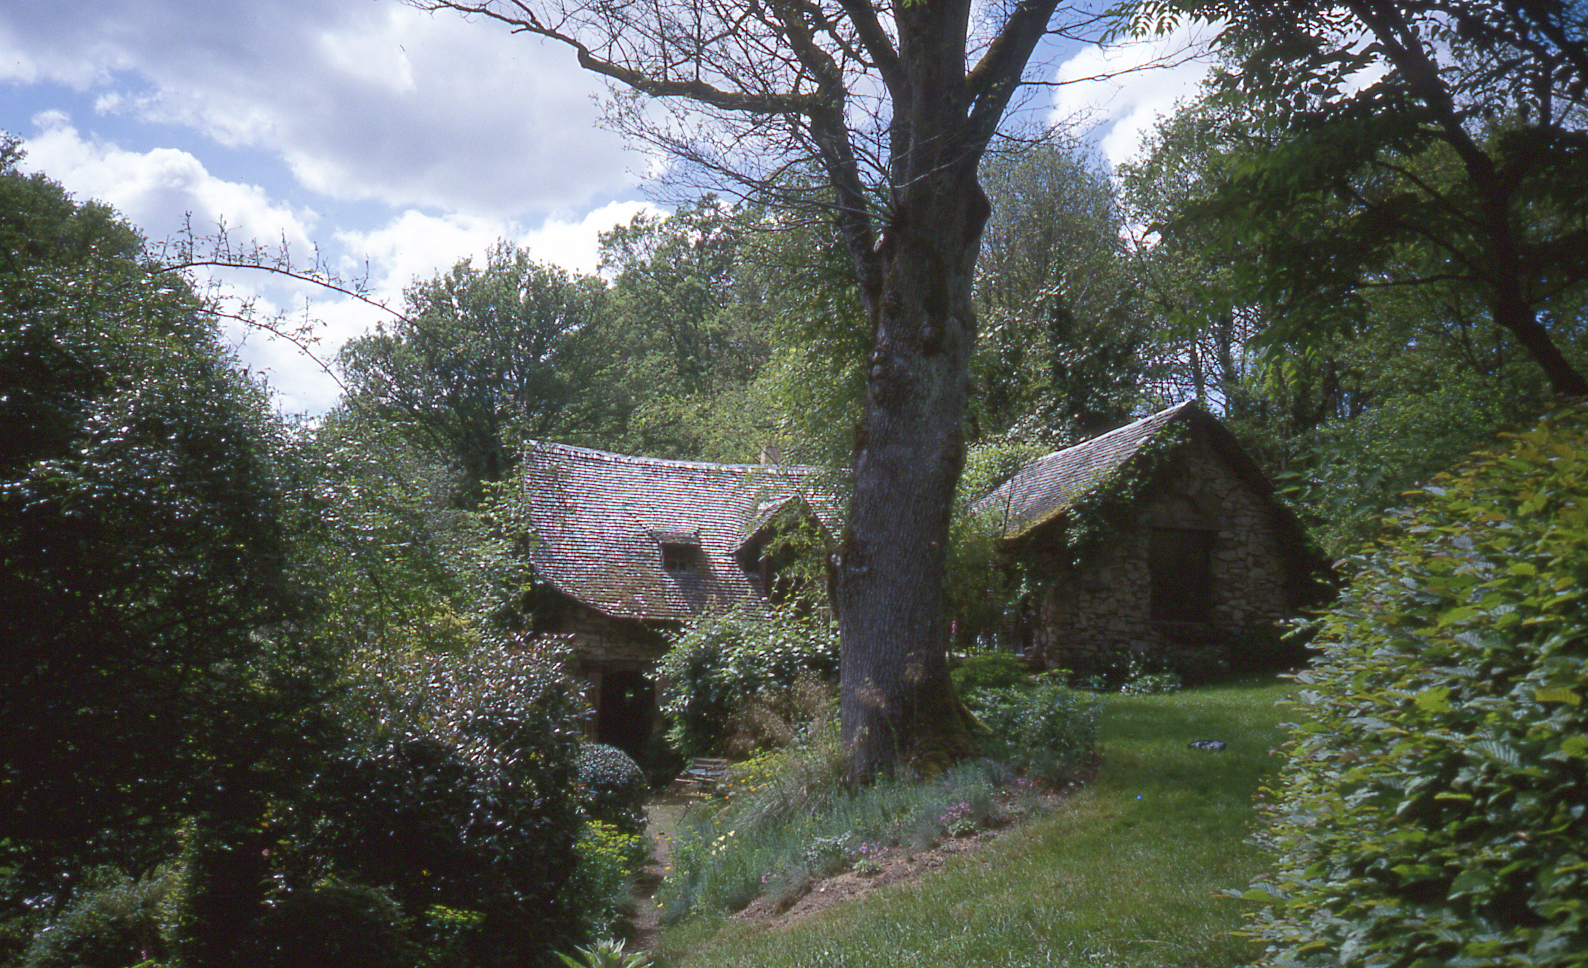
[786, 833]
[1129, 873]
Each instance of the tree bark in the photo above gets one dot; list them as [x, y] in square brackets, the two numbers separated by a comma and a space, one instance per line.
[897, 702]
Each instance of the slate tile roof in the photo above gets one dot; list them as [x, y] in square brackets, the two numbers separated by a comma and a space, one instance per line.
[599, 521]
[1048, 486]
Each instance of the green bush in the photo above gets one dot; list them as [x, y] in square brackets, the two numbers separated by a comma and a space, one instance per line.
[989, 670]
[332, 925]
[116, 922]
[459, 794]
[600, 886]
[1048, 731]
[611, 787]
[718, 662]
[1434, 808]
[1119, 670]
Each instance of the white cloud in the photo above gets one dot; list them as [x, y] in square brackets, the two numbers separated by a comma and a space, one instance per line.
[412, 246]
[363, 101]
[154, 189]
[416, 245]
[1132, 85]
[574, 245]
[448, 134]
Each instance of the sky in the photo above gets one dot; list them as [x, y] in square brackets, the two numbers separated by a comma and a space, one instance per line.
[390, 141]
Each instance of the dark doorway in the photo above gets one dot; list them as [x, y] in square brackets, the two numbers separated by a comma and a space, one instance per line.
[1180, 562]
[626, 709]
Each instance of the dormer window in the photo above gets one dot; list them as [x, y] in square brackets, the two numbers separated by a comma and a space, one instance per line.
[678, 558]
[680, 551]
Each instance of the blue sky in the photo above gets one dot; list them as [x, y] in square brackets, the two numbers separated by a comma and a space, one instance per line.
[393, 140]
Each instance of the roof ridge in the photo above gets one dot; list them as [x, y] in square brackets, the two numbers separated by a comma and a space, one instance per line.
[616, 458]
[1167, 413]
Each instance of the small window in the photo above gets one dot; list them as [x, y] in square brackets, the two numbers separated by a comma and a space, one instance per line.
[1180, 562]
[678, 557]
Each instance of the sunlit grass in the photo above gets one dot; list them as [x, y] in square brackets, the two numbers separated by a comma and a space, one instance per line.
[1129, 873]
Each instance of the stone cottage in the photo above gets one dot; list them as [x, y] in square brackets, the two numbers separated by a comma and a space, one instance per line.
[626, 548]
[1160, 537]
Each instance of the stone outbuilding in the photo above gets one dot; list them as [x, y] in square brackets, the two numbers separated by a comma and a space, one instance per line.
[625, 549]
[1162, 537]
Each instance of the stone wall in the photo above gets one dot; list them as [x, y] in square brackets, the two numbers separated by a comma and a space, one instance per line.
[1108, 606]
[604, 646]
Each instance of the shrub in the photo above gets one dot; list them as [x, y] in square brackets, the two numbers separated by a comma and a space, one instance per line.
[779, 717]
[718, 662]
[460, 793]
[600, 886]
[989, 670]
[332, 925]
[1049, 730]
[1432, 811]
[116, 922]
[611, 787]
[1117, 670]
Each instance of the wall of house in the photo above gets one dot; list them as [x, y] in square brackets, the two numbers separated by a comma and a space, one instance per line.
[611, 652]
[1108, 606]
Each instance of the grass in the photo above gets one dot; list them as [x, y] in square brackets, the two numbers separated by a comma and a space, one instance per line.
[794, 823]
[1129, 873]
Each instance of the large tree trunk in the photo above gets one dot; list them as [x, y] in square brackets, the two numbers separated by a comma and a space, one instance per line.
[896, 700]
[897, 704]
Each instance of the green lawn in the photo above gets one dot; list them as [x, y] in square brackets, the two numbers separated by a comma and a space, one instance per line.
[1129, 873]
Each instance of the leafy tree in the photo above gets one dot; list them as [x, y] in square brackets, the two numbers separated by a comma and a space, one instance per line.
[1065, 345]
[686, 329]
[679, 275]
[1460, 167]
[1186, 275]
[1345, 417]
[158, 663]
[815, 377]
[457, 792]
[482, 355]
[907, 99]
[397, 563]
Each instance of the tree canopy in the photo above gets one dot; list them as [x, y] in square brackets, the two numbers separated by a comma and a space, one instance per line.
[481, 355]
[1394, 145]
[155, 655]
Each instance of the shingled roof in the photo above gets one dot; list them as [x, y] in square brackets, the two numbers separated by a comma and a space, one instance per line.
[1049, 486]
[600, 520]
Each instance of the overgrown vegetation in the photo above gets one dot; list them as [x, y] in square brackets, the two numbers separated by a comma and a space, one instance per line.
[249, 716]
[1128, 872]
[1433, 809]
[743, 663]
[788, 817]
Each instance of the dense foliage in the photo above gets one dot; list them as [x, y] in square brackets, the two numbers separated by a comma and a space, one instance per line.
[1433, 810]
[1045, 730]
[612, 787]
[240, 654]
[1434, 147]
[483, 354]
[719, 662]
[158, 660]
[989, 670]
[458, 791]
[1367, 229]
